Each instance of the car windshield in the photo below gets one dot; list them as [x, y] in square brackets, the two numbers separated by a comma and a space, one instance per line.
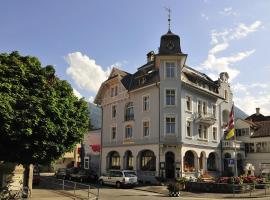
[130, 174]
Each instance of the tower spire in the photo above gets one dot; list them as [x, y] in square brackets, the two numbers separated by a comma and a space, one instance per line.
[169, 18]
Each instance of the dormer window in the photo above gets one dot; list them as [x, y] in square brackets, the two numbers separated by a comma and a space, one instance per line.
[114, 91]
[170, 69]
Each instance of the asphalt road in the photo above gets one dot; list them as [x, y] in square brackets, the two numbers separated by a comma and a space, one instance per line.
[51, 188]
[127, 194]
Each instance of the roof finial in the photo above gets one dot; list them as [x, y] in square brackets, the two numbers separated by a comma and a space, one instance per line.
[169, 18]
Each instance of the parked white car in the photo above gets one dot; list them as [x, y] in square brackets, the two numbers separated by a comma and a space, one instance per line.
[119, 178]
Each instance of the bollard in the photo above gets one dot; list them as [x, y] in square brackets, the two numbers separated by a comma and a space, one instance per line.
[89, 192]
[98, 193]
[233, 190]
[63, 184]
[74, 187]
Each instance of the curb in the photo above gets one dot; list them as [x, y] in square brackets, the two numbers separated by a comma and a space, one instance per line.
[145, 190]
[191, 197]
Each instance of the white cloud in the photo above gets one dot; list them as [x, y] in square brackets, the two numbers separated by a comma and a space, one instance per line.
[228, 12]
[218, 48]
[220, 41]
[224, 64]
[85, 72]
[250, 96]
[238, 87]
[118, 65]
[204, 16]
[91, 99]
[77, 93]
[248, 103]
[243, 30]
[259, 85]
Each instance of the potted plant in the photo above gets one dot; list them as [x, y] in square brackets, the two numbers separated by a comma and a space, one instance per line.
[182, 182]
[174, 189]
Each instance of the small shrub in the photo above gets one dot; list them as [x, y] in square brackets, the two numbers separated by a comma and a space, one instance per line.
[181, 180]
[174, 187]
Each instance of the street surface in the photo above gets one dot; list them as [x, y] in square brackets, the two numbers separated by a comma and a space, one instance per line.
[49, 188]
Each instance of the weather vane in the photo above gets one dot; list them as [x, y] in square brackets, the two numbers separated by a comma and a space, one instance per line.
[169, 17]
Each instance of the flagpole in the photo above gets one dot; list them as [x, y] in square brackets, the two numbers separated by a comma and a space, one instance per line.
[235, 154]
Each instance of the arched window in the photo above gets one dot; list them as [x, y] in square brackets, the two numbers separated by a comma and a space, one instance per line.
[128, 160]
[128, 131]
[114, 160]
[189, 162]
[129, 111]
[225, 116]
[211, 162]
[148, 161]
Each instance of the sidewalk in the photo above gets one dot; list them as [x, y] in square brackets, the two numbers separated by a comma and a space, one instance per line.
[46, 194]
[190, 195]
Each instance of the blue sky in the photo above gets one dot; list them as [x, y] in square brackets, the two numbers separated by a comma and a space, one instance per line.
[84, 39]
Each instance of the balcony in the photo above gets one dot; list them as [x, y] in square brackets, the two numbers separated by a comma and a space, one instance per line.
[231, 144]
[129, 117]
[205, 118]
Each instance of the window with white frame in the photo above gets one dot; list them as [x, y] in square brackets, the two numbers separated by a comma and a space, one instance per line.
[112, 92]
[204, 107]
[146, 103]
[170, 125]
[129, 111]
[215, 133]
[189, 103]
[170, 97]
[115, 91]
[226, 95]
[189, 134]
[203, 132]
[86, 162]
[200, 131]
[170, 69]
[128, 131]
[214, 110]
[113, 133]
[146, 128]
[199, 108]
[113, 111]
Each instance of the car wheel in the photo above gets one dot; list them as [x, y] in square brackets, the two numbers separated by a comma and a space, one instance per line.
[118, 184]
[101, 182]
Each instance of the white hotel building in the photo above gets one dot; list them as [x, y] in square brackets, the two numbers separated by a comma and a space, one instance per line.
[166, 119]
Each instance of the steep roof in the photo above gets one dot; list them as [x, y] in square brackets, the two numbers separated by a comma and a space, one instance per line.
[263, 129]
[258, 117]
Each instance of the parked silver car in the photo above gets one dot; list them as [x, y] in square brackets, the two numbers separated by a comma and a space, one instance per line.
[119, 178]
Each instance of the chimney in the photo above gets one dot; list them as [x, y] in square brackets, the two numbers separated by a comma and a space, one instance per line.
[257, 111]
[150, 56]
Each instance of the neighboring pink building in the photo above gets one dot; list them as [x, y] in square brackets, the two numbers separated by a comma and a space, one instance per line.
[91, 153]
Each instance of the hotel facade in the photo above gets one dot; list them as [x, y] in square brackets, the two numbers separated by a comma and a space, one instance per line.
[167, 119]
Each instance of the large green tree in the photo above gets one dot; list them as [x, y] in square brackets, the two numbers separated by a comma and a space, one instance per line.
[40, 117]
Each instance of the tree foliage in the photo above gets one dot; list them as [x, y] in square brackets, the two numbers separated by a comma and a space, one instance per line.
[40, 117]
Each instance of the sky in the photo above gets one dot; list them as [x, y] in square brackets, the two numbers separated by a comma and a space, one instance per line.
[85, 39]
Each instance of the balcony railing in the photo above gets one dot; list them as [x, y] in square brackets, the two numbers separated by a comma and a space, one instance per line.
[206, 118]
[129, 117]
[231, 144]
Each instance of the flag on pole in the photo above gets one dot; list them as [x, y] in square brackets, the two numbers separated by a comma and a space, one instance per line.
[230, 128]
